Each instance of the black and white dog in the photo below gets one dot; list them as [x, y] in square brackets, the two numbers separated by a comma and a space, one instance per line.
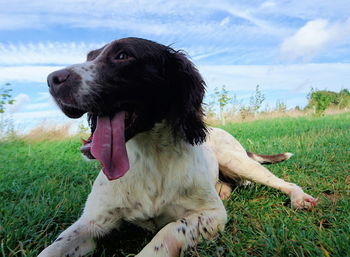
[160, 164]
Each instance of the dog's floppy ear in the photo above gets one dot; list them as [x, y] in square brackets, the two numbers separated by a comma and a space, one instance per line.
[188, 88]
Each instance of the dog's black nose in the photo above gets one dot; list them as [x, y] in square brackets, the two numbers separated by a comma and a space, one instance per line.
[57, 78]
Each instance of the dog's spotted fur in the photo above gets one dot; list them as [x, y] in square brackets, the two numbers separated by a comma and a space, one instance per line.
[174, 161]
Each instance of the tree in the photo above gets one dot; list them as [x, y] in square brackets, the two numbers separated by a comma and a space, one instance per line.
[5, 97]
[343, 98]
[209, 106]
[320, 100]
[6, 123]
[223, 99]
[280, 106]
[256, 100]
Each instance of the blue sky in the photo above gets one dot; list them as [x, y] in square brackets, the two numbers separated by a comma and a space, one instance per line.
[286, 47]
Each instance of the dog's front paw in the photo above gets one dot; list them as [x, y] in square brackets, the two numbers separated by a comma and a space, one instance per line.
[300, 200]
[74, 248]
[49, 253]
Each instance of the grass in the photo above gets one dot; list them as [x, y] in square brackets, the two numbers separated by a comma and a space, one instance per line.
[47, 132]
[43, 187]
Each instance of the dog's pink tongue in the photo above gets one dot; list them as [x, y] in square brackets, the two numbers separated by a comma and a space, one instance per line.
[108, 146]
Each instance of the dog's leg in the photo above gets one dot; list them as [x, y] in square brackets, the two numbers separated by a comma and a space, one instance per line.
[78, 239]
[100, 216]
[173, 239]
[234, 162]
[249, 169]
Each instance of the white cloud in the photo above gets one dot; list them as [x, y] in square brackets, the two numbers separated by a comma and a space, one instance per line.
[39, 115]
[25, 121]
[268, 4]
[23, 21]
[19, 101]
[26, 73]
[43, 96]
[249, 14]
[225, 21]
[307, 10]
[169, 21]
[313, 37]
[38, 106]
[289, 83]
[293, 78]
[158, 18]
[284, 77]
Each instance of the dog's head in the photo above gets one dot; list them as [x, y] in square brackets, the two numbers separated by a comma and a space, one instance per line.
[129, 85]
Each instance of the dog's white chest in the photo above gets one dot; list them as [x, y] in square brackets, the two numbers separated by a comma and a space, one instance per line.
[153, 199]
[154, 191]
[153, 215]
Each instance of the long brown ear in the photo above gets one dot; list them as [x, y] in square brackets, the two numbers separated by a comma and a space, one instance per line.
[188, 88]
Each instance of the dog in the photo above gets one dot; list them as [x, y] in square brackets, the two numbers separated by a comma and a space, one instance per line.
[160, 163]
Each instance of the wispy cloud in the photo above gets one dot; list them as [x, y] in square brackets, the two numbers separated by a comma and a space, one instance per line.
[235, 43]
[241, 26]
[43, 96]
[26, 73]
[251, 14]
[45, 53]
[58, 53]
[293, 78]
[166, 17]
[305, 10]
[268, 4]
[195, 19]
[25, 116]
[279, 77]
[38, 106]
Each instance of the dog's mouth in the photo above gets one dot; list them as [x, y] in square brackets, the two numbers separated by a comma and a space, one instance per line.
[107, 143]
[72, 112]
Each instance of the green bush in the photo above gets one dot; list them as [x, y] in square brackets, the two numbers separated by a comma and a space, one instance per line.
[321, 100]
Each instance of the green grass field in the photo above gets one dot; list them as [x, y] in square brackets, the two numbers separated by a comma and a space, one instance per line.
[44, 185]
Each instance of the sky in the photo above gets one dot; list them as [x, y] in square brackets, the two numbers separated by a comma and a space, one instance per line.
[285, 47]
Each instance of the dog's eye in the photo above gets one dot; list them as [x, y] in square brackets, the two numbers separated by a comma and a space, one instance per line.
[121, 56]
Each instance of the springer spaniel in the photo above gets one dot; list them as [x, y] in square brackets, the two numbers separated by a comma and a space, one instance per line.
[160, 164]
